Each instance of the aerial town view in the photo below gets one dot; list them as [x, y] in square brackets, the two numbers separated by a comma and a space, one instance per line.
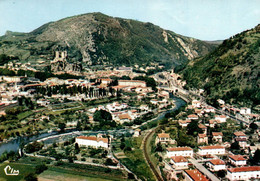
[159, 90]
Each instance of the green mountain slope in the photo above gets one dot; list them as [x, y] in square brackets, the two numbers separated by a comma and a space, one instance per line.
[95, 38]
[230, 72]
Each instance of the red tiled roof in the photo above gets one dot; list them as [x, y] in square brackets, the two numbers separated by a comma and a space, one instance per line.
[106, 79]
[184, 121]
[217, 162]
[196, 175]
[163, 135]
[105, 140]
[131, 81]
[237, 157]
[202, 135]
[178, 159]
[241, 139]
[222, 116]
[213, 120]
[180, 149]
[192, 116]
[93, 138]
[244, 169]
[217, 133]
[124, 116]
[212, 147]
[239, 133]
[202, 126]
[87, 138]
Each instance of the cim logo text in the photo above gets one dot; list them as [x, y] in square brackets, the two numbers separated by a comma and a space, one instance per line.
[10, 171]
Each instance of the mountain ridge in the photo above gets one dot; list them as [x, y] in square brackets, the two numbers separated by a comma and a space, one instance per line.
[98, 39]
[231, 71]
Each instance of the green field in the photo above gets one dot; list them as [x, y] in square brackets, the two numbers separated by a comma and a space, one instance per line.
[64, 172]
[135, 160]
[61, 174]
[23, 170]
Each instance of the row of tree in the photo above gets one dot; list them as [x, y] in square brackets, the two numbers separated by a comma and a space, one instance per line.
[73, 90]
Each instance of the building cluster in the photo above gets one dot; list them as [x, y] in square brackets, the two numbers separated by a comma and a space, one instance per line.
[121, 112]
[242, 112]
[93, 141]
[216, 156]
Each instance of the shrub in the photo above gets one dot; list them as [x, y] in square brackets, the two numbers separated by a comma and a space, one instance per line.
[30, 177]
[40, 168]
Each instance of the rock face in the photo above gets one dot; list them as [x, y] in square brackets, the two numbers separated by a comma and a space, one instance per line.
[60, 63]
[231, 71]
[93, 39]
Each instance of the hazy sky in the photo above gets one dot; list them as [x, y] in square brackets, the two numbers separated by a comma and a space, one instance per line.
[202, 19]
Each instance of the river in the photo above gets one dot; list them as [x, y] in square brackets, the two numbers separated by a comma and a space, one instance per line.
[13, 145]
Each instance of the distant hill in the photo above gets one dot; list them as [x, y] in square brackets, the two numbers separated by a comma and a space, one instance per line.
[99, 39]
[231, 72]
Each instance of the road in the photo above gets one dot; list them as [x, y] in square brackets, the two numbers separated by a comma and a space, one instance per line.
[147, 156]
[201, 168]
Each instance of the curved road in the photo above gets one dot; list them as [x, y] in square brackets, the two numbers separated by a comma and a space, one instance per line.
[147, 156]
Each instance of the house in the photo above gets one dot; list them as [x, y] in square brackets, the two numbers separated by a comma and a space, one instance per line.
[137, 133]
[202, 138]
[163, 137]
[241, 138]
[124, 118]
[220, 101]
[245, 110]
[125, 69]
[194, 175]
[179, 162]
[211, 150]
[199, 112]
[193, 117]
[105, 81]
[133, 83]
[92, 141]
[237, 160]
[221, 118]
[243, 173]
[154, 101]
[203, 127]
[144, 107]
[196, 103]
[217, 137]
[209, 109]
[216, 165]
[179, 151]
[213, 122]
[254, 148]
[184, 123]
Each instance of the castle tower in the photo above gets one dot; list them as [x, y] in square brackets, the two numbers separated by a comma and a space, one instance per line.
[57, 55]
[63, 55]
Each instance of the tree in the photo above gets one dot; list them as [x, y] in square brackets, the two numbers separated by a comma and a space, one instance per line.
[77, 149]
[40, 168]
[256, 157]
[109, 161]
[78, 127]
[131, 176]
[61, 126]
[193, 128]
[159, 147]
[35, 146]
[30, 177]
[122, 146]
[253, 126]
[235, 146]
[105, 120]
[221, 173]
[102, 115]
